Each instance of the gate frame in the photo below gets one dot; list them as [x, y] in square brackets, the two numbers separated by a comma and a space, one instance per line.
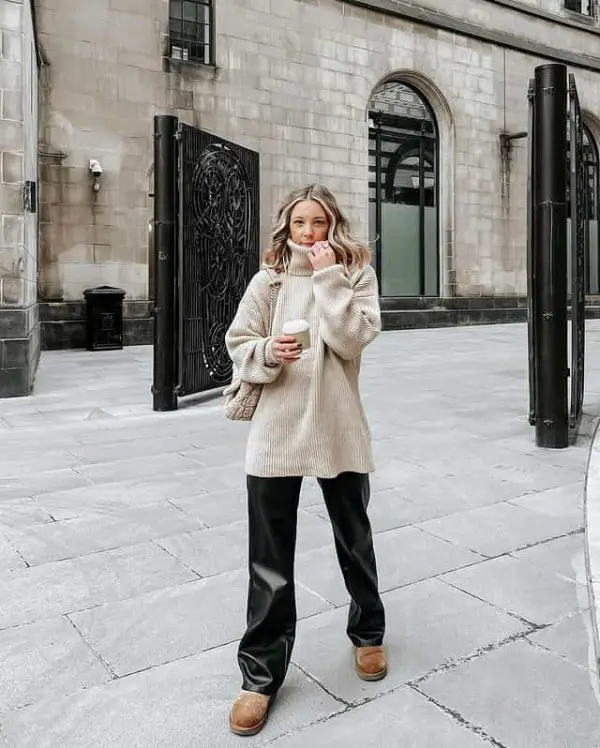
[165, 233]
[551, 410]
[579, 253]
[169, 217]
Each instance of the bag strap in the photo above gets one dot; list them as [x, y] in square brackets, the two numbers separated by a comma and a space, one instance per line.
[274, 284]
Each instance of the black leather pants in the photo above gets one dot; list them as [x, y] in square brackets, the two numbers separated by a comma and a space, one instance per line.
[266, 647]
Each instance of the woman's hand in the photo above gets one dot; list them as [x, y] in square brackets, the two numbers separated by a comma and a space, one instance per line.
[321, 256]
[286, 350]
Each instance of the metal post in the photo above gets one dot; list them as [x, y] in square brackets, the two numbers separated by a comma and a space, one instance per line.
[422, 210]
[378, 240]
[165, 242]
[531, 315]
[549, 256]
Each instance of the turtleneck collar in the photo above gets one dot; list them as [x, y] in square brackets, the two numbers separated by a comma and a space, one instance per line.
[298, 263]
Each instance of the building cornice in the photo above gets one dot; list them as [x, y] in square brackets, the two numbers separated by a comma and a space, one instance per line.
[585, 24]
[504, 39]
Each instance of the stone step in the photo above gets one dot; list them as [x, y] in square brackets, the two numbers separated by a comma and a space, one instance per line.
[424, 312]
[443, 317]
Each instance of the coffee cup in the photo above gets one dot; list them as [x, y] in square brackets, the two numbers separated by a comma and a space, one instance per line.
[299, 329]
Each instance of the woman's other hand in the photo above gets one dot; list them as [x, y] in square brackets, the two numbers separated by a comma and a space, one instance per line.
[286, 350]
[321, 256]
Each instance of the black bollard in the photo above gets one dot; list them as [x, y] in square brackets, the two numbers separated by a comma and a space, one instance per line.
[550, 255]
[165, 242]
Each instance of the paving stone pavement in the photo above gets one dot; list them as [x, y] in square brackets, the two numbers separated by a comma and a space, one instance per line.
[123, 550]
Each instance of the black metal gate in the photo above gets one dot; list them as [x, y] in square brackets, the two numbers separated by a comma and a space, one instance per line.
[218, 251]
[557, 192]
[579, 250]
[207, 236]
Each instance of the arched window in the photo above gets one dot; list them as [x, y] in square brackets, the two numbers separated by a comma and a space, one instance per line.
[403, 194]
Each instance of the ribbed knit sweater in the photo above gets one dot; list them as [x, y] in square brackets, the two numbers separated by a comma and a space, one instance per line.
[309, 420]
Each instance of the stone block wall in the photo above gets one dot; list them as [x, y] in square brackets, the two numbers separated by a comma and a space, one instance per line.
[293, 80]
[100, 91]
[19, 328]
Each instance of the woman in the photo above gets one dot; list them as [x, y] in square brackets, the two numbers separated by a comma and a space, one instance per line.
[309, 422]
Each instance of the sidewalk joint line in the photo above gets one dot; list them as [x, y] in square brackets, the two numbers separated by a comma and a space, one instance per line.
[17, 551]
[302, 728]
[90, 646]
[549, 650]
[318, 683]
[175, 558]
[457, 717]
[533, 626]
[453, 663]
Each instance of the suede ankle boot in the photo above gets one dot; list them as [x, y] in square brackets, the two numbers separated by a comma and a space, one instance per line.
[249, 713]
[371, 663]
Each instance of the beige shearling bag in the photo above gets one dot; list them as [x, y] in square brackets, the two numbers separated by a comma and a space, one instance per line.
[241, 398]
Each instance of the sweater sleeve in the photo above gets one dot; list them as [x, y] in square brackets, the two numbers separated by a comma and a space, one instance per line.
[247, 339]
[349, 308]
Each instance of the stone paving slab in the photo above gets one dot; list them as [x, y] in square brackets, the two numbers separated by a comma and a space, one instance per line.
[9, 558]
[525, 696]
[24, 465]
[225, 548]
[21, 513]
[44, 659]
[48, 590]
[216, 508]
[114, 497]
[565, 502]
[571, 638]
[140, 468]
[81, 536]
[449, 494]
[37, 483]
[535, 595]
[164, 626]
[428, 625]
[494, 530]
[454, 448]
[565, 557]
[403, 718]
[423, 556]
[181, 705]
[142, 447]
[388, 510]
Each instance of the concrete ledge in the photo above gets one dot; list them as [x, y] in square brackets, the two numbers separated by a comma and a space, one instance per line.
[421, 312]
[19, 359]
[19, 350]
[63, 324]
[592, 538]
[425, 312]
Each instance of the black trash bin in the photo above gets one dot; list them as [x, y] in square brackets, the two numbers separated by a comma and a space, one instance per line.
[104, 318]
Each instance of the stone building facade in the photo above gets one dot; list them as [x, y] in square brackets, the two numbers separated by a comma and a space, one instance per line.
[19, 327]
[315, 86]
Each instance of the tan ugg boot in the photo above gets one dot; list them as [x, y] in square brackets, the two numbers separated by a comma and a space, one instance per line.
[371, 663]
[249, 713]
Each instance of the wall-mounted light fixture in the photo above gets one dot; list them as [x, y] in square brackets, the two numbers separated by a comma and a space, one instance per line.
[96, 170]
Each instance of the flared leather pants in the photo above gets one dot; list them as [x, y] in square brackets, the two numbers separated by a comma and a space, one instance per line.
[266, 647]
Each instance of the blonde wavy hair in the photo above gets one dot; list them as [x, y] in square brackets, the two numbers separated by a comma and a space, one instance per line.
[349, 251]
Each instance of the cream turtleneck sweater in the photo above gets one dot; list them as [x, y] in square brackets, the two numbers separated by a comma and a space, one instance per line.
[309, 420]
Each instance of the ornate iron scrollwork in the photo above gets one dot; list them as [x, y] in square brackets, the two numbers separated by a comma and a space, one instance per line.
[218, 251]
[579, 242]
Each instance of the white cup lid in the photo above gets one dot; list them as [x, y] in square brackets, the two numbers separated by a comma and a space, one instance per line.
[295, 326]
